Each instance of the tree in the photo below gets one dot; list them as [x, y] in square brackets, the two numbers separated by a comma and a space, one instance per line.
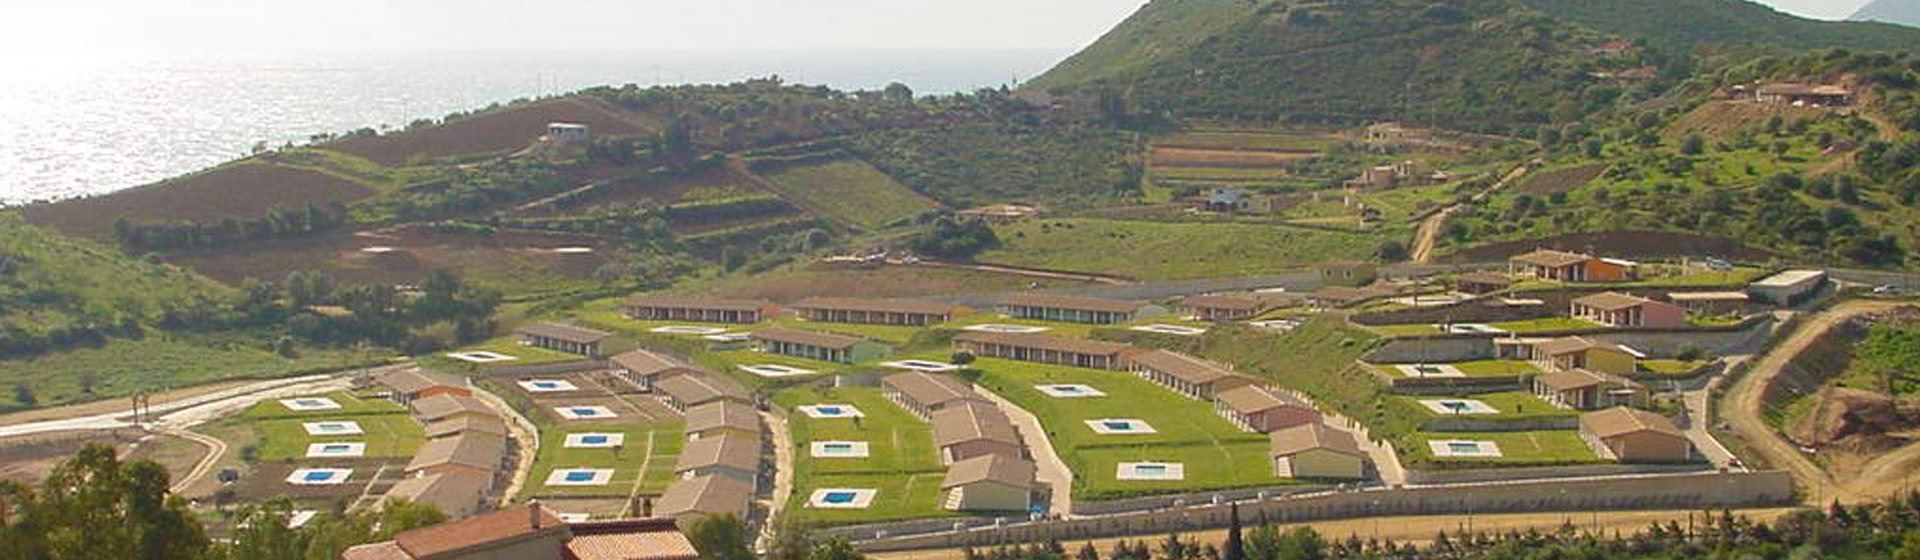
[836, 548]
[1694, 145]
[720, 537]
[1234, 549]
[24, 395]
[1909, 547]
[1391, 250]
[95, 506]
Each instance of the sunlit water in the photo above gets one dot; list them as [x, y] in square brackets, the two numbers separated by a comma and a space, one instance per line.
[87, 126]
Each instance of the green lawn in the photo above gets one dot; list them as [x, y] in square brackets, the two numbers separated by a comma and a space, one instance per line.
[158, 362]
[1252, 140]
[1163, 250]
[508, 345]
[1478, 368]
[1518, 449]
[1216, 454]
[851, 191]
[1404, 330]
[277, 433]
[1513, 406]
[632, 463]
[350, 405]
[1673, 368]
[902, 462]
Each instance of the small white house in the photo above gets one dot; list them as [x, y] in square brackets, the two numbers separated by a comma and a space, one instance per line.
[569, 133]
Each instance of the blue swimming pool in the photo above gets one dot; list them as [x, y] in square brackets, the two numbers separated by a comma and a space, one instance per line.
[579, 476]
[1118, 425]
[335, 448]
[1149, 470]
[585, 412]
[1463, 447]
[317, 476]
[594, 440]
[839, 497]
[831, 410]
[546, 385]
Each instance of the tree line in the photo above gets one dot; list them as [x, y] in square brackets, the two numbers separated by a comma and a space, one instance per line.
[184, 234]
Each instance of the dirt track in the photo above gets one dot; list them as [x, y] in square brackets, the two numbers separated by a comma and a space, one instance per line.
[1743, 404]
[1428, 234]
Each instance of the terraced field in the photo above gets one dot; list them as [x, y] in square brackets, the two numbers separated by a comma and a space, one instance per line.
[850, 191]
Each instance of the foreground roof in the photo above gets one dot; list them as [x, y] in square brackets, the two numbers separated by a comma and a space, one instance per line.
[478, 532]
[735, 452]
[709, 494]
[629, 539]
[972, 421]
[723, 415]
[444, 405]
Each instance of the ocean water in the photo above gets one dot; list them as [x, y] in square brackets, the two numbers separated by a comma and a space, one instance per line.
[84, 126]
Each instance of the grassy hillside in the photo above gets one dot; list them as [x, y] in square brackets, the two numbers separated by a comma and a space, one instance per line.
[849, 191]
[1157, 31]
[1685, 24]
[1159, 251]
[970, 165]
[57, 290]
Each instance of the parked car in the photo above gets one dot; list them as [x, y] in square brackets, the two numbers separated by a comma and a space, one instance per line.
[1886, 290]
[1720, 265]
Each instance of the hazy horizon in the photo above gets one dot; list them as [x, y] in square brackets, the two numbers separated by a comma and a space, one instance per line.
[79, 28]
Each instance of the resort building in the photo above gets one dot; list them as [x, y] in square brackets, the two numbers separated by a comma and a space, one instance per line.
[477, 455]
[643, 368]
[924, 393]
[467, 423]
[683, 392]
[1622, 310]
[1803, 95]
[1635, 436]
[1316, 451]
[1046, 349]
[1711, 303]
[972, 429]
[1482, 283]
[1581, 389]
[1067, 309]
[532, 532]
[560, 337]
[723, 418]
[439, 408]
[407, 385]
[730, 456]
[569, 133]
[699, 309]
[989, 483]
[898, 312]
[690, 499]
[1570, 353]
[1190, 376]
[1262, 409]
[839, 349]
[454, 494]
[1562, 266]
[1789, 287]
[1224, 308]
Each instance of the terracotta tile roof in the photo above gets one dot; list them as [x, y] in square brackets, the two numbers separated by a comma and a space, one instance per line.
[1011, 471]
[1611, 301]
[1253, 399]
[930, 389]
[384, 550]
[464, 424]
[474, 449]
[707, 495]
[1185, 368]
[697, 302]
[1574, 379]
[735, 452]
[562, 331]
[1619, 421]
[1707, 296]
[648, 363]
[1313, 436]
[410, 381]
[1047, 342]
[1047, 301]
[1552, 259]
[908, 306]
[451, 493]
[698, 389]
[629, 539]
[723, 414]
[972, 421]
[443, 405]
[807, 338]
[482, 532]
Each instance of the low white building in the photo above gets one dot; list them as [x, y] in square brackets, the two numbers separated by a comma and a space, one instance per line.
[1789, 287]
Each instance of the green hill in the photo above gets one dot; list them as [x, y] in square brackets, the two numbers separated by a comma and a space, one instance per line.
[1903, 12]
[1157, 31]
[1694, 23]
[58, 291]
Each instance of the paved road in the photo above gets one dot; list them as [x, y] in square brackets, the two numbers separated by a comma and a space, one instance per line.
[190, 411]
[1744, 402]
[1052, 471]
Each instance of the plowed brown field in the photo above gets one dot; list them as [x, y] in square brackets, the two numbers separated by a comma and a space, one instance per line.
[243, 190]
[499, 131]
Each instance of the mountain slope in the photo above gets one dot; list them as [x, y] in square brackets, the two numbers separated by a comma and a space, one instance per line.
[1157, 31]
[1685, 24]
[1903, 12]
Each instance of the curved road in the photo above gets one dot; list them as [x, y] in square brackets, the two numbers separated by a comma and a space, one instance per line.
[1743, 405]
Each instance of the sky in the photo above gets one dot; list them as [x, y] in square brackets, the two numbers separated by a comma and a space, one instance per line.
[161, 26]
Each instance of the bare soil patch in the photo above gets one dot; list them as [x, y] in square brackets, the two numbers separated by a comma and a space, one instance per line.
[498, 131]
[1200, 157]
[241, 191]
[1721, 118]
[1637, 243]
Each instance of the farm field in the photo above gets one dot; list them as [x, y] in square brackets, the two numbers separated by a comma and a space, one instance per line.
[1190, 173]
[496, 131]
[850, 191]
[509, 261]
[1164, 157]
[1517, 449]
[1168, 251]
[1718, 119]
[1250, 140]
[1561, 179]
[902, 463]
[242, 190]
[1216, 454]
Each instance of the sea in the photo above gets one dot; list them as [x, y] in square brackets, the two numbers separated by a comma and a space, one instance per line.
[89, 124]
